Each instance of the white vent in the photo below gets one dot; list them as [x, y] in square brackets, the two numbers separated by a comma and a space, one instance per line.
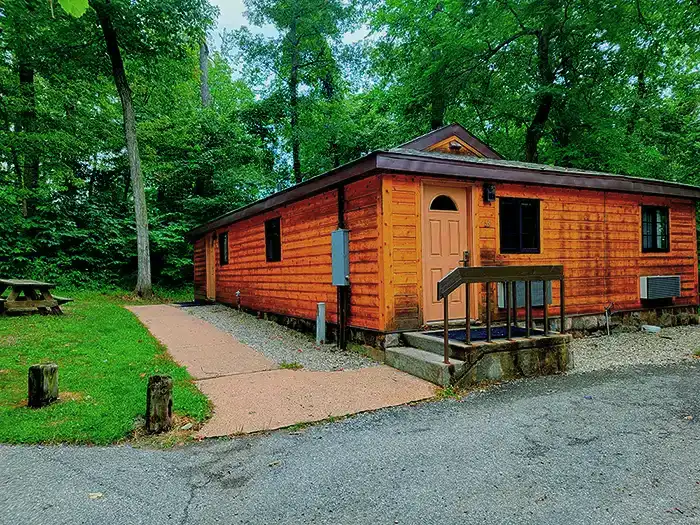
[660, 286]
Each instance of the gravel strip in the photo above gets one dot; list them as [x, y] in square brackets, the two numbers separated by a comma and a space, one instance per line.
[279, 343]
[671, 345]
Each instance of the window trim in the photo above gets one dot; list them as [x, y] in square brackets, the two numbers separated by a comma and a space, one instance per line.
[654, 230]
[520, 249]
[269, 256]
[223, 248]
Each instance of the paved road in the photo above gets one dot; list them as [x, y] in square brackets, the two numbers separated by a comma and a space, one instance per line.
[536, 451]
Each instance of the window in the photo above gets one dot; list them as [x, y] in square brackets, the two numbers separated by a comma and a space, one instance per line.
[273, 240]
[223, 248]
[520, 225]
[654, 229]
[443, 203]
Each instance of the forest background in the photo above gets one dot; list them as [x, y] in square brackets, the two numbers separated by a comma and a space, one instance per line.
[123, 124]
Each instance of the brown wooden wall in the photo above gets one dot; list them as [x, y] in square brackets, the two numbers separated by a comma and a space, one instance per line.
[200, 270]
[597, 237]
[401, 231]
[302, 278]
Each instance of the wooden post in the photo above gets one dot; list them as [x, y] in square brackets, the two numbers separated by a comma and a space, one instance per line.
[159, 404]
[446, 329]
[545, 309]
[467, 300]
[515, 303]
[528, 307]
[488, 312]
[561, 307]
[509, 333]
[468, 326]
[42, 385]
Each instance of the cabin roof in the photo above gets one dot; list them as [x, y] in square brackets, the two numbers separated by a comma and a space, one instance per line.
[424, 142]
[492, 168]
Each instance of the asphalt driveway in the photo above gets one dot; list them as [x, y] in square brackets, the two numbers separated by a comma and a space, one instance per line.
[606, 447]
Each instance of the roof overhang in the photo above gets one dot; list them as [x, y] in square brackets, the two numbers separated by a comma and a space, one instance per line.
[519, 173]
[347, 173]
[460, 167]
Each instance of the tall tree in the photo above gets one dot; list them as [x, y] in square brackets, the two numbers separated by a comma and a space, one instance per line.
[143, 279]
[180, 23]
[300, 57]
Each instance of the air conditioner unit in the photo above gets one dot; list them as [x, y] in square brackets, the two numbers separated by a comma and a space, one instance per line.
[659, 286]
[537, 295]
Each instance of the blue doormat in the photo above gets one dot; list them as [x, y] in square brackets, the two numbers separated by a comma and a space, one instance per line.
[479, 334]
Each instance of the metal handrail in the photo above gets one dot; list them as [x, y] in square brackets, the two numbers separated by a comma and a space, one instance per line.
[508, 275]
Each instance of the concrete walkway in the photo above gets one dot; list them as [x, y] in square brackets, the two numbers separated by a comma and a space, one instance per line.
[250, 393]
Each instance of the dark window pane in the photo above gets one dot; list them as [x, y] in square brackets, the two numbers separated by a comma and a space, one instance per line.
[519, 225]
[530, 225]
[273, 240]
[443, 203]
[509, 219]
[655, 234]
[647, 228]
[223, 248]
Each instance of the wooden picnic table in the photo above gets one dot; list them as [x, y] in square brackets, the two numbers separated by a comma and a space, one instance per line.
[27, 296]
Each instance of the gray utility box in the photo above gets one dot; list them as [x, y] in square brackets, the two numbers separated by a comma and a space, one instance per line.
[340, 257]
[537, 295]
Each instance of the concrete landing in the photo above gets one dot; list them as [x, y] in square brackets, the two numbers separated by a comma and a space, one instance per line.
[251, 394]
[424, 364]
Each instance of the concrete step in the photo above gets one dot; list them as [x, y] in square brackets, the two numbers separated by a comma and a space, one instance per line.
[424, 364]
[435, 345]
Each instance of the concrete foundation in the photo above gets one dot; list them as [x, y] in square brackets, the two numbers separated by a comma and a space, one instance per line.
[631, 321]
[481, 361]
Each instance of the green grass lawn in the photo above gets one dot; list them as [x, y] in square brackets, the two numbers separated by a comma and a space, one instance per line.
[104, 355]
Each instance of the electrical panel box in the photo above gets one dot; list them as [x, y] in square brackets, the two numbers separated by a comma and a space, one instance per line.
[340, 257]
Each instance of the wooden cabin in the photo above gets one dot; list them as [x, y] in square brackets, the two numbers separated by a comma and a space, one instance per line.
[414, 210]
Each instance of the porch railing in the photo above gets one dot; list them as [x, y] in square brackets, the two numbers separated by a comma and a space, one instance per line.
[509, 275]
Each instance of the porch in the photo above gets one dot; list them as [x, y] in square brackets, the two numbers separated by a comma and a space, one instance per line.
[497, 350]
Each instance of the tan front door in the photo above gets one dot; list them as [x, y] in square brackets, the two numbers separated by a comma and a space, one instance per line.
[210, 255]
[444, 242]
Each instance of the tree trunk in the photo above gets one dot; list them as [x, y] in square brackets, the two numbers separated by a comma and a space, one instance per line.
[437, 110]
[535, 129]
[27, 117]
[294, 102]
[328, 88]
[637, 105]
[13, 156]
[437, 93]
[204, 74]
[143, 281]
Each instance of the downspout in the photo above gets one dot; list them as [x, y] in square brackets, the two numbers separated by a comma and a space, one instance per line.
[343, 299]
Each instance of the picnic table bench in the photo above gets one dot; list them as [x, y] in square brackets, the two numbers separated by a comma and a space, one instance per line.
[27, 296]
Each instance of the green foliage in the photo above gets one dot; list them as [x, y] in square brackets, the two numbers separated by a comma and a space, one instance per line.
[105, 356]
[291, 366]
[75, 226]
[595, 84]
[75, 8]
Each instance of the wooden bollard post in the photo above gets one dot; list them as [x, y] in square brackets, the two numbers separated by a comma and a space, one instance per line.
[159, 404]
[42, 385]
